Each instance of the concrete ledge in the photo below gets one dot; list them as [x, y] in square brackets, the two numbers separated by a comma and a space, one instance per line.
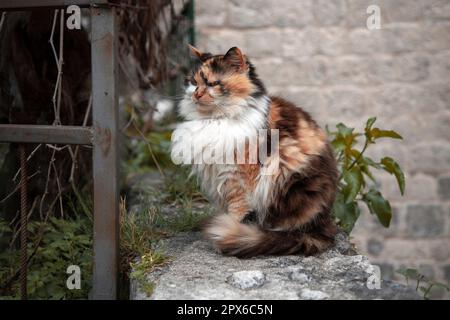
[196, 271]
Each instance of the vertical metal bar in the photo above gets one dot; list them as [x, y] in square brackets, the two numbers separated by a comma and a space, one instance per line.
[190, 13]
[105, 158]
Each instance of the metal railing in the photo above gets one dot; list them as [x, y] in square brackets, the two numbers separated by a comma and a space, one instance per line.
[102, 136]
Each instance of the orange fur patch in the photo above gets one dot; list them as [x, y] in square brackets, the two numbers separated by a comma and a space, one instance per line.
[312, 139]
[238, 84]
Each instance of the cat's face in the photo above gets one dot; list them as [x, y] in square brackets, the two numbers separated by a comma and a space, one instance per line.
[221, 84]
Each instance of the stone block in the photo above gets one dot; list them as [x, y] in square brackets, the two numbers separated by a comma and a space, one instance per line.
[374, 247]
[436, 36]
[221, 41]
[403, 10]
[211, 13]
[331, 41]
[250, 14]
[295, 43]
[393, 39]
[348, 70]
[444, 188]
[292, 14]
[263, 13]
[346, 103]
[292, 72]
[258, 46]
[437, 9]
[432, 158]
[356, 15]
[404, 68]
[425, 221]
[329, 13]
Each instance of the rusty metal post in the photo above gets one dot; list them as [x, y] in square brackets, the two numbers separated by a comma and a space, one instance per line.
[105, 155]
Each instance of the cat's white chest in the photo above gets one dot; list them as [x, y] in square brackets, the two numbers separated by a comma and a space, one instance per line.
[209, 145]
[199, 143]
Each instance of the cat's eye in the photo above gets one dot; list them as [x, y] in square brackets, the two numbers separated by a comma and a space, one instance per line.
[193, 82]
[205, 80]
[213, 84]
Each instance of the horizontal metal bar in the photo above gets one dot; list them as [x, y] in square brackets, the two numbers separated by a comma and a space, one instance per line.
[45, 134]
[29, 4]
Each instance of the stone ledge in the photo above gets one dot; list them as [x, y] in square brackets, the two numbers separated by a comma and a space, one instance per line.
[196, 271]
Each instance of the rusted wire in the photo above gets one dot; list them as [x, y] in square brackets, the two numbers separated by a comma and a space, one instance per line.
[23, 222]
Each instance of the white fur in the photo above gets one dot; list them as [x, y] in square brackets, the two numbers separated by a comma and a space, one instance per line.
[226, 227]
[219, 132]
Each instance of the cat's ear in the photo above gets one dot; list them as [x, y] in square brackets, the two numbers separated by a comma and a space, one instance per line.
[198, 54]
[236, 58]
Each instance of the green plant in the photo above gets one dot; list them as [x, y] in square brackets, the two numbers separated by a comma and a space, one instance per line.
[176, 203]
[428, 285]
[356, 182]
[180, 187]
[137, 233]
[144, 153]
[61, 243]
[145, 264]
[58, 243]
[189, 219]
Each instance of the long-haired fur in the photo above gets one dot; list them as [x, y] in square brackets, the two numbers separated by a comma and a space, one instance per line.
[285, 212]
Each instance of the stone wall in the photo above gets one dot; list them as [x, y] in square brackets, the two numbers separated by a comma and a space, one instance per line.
[320, 54]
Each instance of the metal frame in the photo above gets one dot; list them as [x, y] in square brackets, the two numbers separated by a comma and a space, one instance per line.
[29, 4]
[47, 134]
[103, 136]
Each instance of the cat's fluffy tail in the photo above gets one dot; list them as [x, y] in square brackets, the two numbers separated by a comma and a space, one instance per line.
[234, 238]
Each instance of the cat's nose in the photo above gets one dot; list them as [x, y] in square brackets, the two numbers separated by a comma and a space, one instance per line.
[198, 93]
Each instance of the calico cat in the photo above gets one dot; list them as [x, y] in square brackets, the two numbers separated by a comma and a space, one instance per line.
[285, 212]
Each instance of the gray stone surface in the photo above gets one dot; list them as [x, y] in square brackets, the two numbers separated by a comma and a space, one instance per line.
[446, 270]
[444, 188]
[247, 279]
[387, 271]
[374, 247]
[425, 220]
[196, 271]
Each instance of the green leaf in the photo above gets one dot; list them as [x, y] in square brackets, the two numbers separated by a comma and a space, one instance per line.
[376, 133]
[365, 169]
[379, 206]
[338, 144]
[344, 130]
[409, 273]
[391, 166]
[439, 285]
[354, 180]
[347, 213]
[370, 122]
[372, 163]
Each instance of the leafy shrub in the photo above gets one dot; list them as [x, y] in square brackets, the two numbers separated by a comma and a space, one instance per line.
[357, 184]
[64, 243]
